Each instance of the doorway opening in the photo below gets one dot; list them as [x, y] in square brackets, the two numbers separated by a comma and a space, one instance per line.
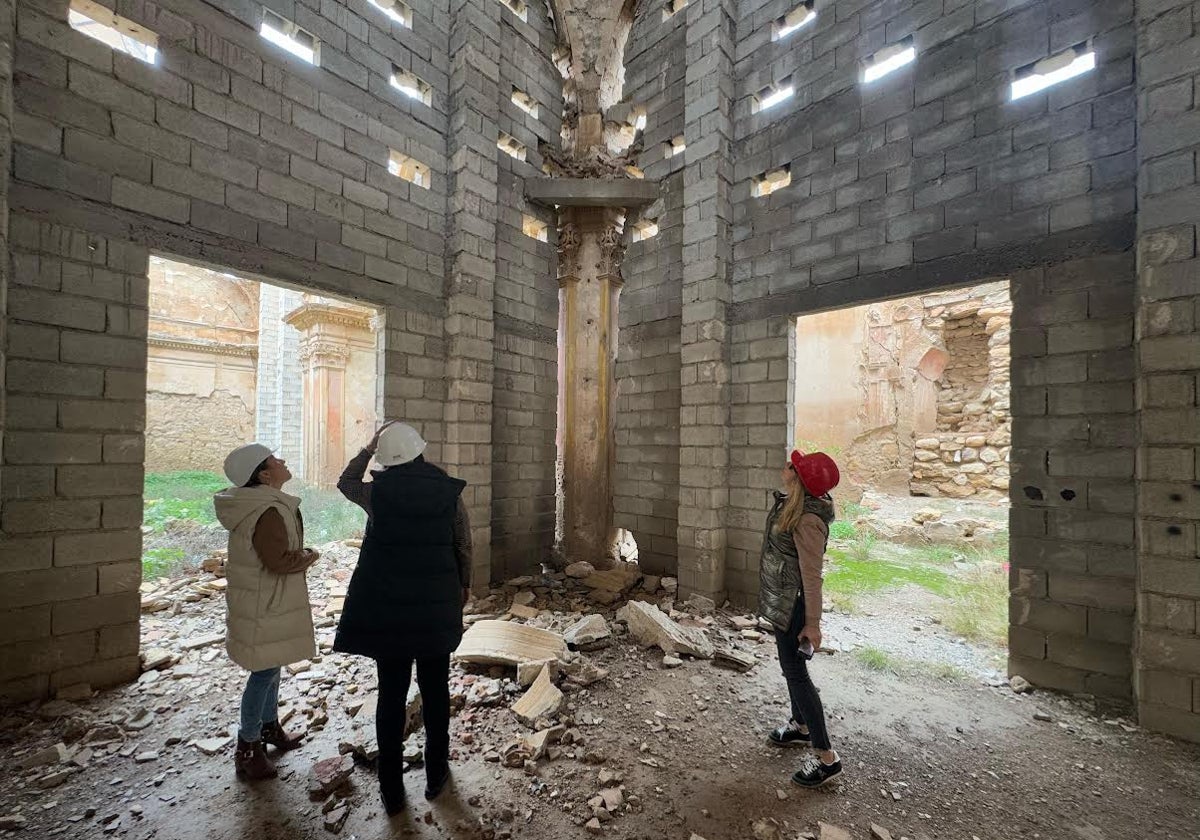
[911, 398]
[233, 360]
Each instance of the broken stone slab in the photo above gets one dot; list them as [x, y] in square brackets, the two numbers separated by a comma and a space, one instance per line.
[328, 775]
[524, 598]
[198, 642]
[212, 746]
[669, 661]
[741, 622]
[139, 720]
[156, 658]
[701, 604]
[539, 742]
[541, 700]
[589, 633]
[336, 819]
[42, 758]
[593, 826]
[833, 832]
[651, 627]
[619, 578]
[730, 657]
[579, 570]
[670, 584]
[583, 673]
[527, 672]
[54, 779]
[521, 611]
[878, 832]
[505, 643]
[146, 757]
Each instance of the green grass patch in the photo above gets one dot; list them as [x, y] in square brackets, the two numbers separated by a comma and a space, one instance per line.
[162, 562]
[849, 574]
[876, 659]
[328, 517]
[978, 607]
[180, 495]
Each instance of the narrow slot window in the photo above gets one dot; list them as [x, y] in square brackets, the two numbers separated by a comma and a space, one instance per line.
[412, 87]
[644, 229]
[398, 11]
[283, 33]
[797, 18]
[525, 102]
[518, 8]
[1050, 71]
[672, 7]
[510, 146]
[639, 118]
[674, 147]
[535, 228]
[890, 59]
[410, 169]
[120, 33]
[769, 182]
[772, 95]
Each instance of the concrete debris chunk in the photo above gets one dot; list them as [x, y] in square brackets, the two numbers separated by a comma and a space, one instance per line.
[197, 642]
[670, 584]
[504, 643]
[669, 661]
[583, 673]
[579, 570]
[336, 819]
[833, 832]
[42, 758]
[328, 775]
[652, 628]
[212, 746]
[521, 611]
[619, 578]
[589, 633]
[543, 699]
[741, 622]
[139, 720]
[54, 779]
[1019, 684]
[540, 742]
[524, 598]
[730, 657]
[157, 658]
[878, 832]
[701, 604]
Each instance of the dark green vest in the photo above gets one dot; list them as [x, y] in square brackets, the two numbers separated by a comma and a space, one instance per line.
[779, 564]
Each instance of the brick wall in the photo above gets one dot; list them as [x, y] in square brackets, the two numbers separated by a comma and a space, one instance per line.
[646, 479]
[232, 153]
[1168, 328]
[526, 306]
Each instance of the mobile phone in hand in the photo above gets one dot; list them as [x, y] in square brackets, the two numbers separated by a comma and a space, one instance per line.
[806, 648]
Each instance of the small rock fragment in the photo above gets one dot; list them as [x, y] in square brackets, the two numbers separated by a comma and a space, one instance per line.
[1019, 684]
[878, 832]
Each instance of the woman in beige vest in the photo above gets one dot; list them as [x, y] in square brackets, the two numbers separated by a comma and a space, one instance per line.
[269, 619]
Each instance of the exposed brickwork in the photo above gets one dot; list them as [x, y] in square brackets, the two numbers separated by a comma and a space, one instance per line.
[1168, 373]
[646, 482]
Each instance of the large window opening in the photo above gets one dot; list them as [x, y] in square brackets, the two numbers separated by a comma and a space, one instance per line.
[233, 360]
[911, 398]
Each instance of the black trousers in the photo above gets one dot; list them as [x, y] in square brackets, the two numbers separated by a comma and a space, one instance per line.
[433, 678]
[806, 701]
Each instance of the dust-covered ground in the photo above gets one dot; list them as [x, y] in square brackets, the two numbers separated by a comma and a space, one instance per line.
[676, 751]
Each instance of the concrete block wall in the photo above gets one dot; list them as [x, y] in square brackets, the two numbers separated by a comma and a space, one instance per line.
[234, 154]
[646, 479]
[1072, 518]
[1167, 674]
[525, 388]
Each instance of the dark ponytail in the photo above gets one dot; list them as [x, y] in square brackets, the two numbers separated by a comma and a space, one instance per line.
[255, 481]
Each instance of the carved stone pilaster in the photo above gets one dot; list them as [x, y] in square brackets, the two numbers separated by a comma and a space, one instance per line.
[568, 251]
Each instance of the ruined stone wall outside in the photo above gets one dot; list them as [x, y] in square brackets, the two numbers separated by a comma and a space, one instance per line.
[646, 480]
[1168, 383]
[228, 152]
[526, 305]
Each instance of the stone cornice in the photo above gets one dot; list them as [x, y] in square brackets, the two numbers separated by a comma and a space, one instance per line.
[212, 348]
[311, 314]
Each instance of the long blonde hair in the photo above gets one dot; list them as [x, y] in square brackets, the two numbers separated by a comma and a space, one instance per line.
[793, 508]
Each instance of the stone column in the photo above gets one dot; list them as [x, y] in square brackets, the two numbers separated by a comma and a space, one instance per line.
[471, 262]
[704, 333]
[1167, 653]
[590, 283]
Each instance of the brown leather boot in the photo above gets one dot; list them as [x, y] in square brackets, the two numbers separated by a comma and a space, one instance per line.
[251, 762]
[276, 736]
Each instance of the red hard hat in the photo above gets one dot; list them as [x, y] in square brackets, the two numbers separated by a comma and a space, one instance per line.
[818, 473]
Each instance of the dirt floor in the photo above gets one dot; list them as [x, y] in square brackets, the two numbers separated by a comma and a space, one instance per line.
[924, 758]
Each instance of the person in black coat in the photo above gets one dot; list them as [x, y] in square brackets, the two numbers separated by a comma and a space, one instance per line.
[405, 599]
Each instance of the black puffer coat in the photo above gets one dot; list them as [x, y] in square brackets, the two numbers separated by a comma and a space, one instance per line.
[405, 597]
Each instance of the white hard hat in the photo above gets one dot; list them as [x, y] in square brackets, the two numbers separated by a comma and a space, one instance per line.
[399, 444]
[241, 463]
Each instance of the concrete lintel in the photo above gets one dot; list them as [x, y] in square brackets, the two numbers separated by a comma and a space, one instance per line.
[591, 192]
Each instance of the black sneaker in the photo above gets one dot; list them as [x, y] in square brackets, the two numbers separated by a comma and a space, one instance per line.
[816, 773]
[789, 735]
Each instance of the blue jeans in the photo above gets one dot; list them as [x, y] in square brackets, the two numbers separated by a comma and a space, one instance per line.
[260, 703]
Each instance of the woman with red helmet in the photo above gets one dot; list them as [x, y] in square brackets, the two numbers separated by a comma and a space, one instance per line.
[790, 598]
